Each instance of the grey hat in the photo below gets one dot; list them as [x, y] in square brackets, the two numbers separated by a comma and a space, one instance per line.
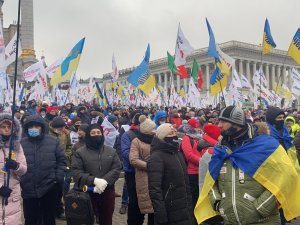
[233, 114]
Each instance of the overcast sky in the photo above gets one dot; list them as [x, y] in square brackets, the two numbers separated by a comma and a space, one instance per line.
[125, 27]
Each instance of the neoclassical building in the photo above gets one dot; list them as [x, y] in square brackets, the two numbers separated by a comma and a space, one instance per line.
[247, 60]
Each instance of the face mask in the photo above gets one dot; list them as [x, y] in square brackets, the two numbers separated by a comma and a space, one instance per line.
[5, 138]
[172, 140]
[228, 133]
[76, 127]
[162, 122]
[279, 124]
[95, 142]
[43, 115]
[33, 132]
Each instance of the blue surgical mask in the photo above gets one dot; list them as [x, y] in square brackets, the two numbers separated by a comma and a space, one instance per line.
[33, 132]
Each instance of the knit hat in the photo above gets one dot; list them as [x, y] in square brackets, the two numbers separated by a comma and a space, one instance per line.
[233, 114]
[212, 131]
[58, 122]
[193, 123]
[112, 118]
[164, 130]
[75, 120]
[272, 113]
[146, 125]
[52, 108]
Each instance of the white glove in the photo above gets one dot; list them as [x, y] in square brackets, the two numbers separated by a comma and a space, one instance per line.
[100, 184]
[97, 190]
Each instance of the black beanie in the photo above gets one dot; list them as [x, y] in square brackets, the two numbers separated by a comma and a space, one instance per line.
[272, 113]
[58, 122]
[83, 127]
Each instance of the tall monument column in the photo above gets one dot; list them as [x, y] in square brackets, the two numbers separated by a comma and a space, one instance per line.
[27, 34]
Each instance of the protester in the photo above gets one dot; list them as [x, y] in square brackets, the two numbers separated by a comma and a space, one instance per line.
[46, 165]
[83, 115]
[168, 179]
[139, 155]
[160, 118]
[98, 165]
[81, 137]
[292, 126]
[76, 122]
[11, 213]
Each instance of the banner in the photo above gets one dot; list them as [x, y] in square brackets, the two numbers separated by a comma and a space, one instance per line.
[32, 71]
[10, 50]
[50, 70]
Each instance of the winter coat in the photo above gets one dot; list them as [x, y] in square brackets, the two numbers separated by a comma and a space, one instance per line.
[89, 164]
[169, 185]
[242, 199]
[126, 140]
[297, 144]
[139, 155]
[13, 209]
[45, 159]
[192, 155]
[294, 128]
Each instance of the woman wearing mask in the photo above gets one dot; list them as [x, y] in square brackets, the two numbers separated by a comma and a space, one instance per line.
[18, 167]
[98, 165]
[139, 155]
[168, 179]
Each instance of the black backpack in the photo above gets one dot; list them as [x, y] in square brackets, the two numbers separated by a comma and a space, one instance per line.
[78, 207]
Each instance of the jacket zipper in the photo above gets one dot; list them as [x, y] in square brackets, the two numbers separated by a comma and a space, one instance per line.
[166, 195]
[233, 197]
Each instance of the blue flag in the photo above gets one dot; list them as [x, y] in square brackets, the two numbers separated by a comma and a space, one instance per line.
[212, 50]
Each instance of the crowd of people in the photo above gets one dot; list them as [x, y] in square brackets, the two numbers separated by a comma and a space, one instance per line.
[165, 154]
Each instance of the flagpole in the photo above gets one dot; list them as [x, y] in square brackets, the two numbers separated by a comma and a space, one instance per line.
[261, 61]
[14, 98]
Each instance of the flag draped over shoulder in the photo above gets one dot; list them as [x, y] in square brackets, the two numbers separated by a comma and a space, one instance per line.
[294, 49]
[266, 161]
[69, 65]
[268, 42]
[141, 77]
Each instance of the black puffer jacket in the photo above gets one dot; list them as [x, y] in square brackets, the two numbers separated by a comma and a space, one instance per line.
[46, 161]
[169, 185]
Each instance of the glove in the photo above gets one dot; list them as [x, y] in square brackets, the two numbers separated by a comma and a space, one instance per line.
[97, 190]
[101, 184]
[217, 205]
[11, 164]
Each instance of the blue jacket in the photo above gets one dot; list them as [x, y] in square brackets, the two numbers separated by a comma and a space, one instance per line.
[158, 116]
[125, 149]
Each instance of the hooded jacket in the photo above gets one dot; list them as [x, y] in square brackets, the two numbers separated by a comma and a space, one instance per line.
[45, 159]
[294, 128]
[13, 210]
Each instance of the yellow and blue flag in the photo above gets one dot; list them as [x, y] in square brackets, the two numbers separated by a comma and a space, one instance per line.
[218, 81]
[212, 49]
[268, 42]
[69, 65]
[266, 161]
[294, 49]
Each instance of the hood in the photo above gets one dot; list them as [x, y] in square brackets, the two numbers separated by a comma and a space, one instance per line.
[159, 145]
[17, 131]
[35, 119]
[159, 115]
[290, 118]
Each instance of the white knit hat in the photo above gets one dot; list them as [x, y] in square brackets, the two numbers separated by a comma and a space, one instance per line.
[147, 126]
[164, 130]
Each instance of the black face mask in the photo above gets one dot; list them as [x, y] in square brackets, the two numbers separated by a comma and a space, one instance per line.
[5, 138]
[94, 142]
[229, 133]
[172, 140]
[279, 124]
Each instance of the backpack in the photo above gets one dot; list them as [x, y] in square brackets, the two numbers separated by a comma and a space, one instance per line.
[78, 207]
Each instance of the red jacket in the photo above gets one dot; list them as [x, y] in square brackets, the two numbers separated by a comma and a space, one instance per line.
[191, 154]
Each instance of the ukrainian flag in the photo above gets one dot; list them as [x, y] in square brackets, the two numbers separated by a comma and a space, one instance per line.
[294, 49]
[69, 65]
[265, 160]
[268, 42]
[218, 81]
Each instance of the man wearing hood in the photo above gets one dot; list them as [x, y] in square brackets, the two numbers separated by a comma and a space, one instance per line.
[17, 166]
[98, 165]
[83, 114]
[46, 165]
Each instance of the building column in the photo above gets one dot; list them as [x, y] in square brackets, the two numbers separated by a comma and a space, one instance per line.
[166, 80]
[159, 79]
[273, 76]
[241, 71]
[248, 74]
[267, 75]
[290, 81]
[254, 70]
[283, 76]
[278, 74]
[207, 76]
[178, 83]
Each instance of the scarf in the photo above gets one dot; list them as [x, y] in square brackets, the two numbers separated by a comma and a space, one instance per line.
[285, 138]
[146, 138]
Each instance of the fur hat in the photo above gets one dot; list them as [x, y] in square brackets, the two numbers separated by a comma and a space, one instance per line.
[164, 130]
[212, 131]
[146, 125]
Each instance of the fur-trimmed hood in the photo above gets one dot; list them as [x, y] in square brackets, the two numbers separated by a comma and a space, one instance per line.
[17, 131]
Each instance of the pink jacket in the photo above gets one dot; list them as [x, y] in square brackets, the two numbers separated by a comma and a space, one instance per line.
[13, 209]
[191, 154]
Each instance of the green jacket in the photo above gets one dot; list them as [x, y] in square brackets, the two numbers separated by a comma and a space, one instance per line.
[242, 199]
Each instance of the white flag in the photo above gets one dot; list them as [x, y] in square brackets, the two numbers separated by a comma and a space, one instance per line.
[246, 83]
[236, 79]
[115, 72]
[2, 50]
[296, 88]
[193, 94]
[73, 82]
[10, 50]
[32, 71]
[50, 70]
[110, 133]
[182, 49]
[228, 59]
[295, 75]
[260, 76]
